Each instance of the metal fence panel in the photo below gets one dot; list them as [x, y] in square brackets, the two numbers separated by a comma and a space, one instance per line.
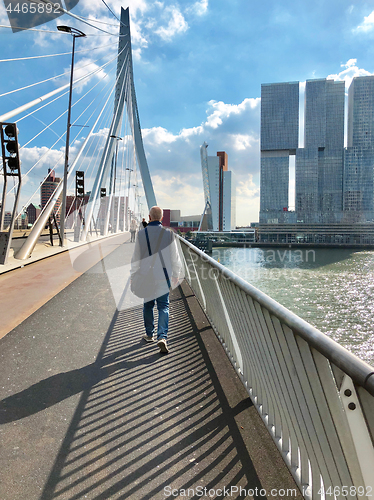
[299, 380]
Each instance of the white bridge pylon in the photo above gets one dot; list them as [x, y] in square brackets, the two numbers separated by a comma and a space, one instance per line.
[124, 95]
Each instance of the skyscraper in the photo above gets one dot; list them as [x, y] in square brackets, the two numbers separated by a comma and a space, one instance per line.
[332, 184]
[279, 139]
[47, 188]
[358, 187]
[219, 191]
[319, 165]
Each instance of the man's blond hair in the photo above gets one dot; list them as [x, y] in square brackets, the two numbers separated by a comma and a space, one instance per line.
[156, 213]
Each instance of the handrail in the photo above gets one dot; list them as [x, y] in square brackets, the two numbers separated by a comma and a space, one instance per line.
[360, 371]
[314, 396]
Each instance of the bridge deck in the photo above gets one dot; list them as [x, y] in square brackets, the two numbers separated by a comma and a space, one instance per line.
[89, 410]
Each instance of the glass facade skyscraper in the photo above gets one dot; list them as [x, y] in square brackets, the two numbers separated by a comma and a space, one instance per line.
[358, 187]
[332, 184]
[319, 165]
[279, 116]
[279, 139]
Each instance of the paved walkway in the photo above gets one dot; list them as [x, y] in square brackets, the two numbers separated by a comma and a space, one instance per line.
[26, 285]
[89, 410]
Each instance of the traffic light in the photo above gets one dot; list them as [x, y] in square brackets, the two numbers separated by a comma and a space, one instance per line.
[10, 147]
[102, 192]
[79, 184]
[11, 168]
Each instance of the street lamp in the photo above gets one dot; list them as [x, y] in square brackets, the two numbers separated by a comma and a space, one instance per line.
[75, 34]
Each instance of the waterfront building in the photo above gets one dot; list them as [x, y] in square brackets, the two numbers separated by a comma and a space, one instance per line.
[183, 223]
[358, 184]
[319, 164]
[333, 184]
[219, 191]
[279, 140]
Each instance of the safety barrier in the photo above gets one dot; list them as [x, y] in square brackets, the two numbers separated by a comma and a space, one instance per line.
[314, 396]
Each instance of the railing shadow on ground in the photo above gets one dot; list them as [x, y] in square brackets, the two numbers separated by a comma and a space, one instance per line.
[144, 421]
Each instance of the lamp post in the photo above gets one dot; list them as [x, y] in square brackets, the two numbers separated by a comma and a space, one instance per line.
[76, 34]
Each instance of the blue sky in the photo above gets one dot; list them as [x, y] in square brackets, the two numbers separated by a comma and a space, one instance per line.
[198, 69]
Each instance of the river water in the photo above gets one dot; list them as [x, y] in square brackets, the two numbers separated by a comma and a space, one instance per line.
[332, 289]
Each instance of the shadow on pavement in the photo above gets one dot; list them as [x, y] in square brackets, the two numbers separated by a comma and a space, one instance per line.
[144, 422]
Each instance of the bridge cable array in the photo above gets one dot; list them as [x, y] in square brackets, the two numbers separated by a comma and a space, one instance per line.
[104, 146]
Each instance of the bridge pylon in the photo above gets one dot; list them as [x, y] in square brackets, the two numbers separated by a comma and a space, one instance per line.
[124, 94]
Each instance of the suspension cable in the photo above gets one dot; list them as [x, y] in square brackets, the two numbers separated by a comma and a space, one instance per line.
[55, 55]
[60, 138]
[57, 76]
[64, 112]
[61, 9]
[58, 160]
[110, 10]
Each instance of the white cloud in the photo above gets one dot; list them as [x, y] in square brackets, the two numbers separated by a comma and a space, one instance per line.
[350, 71]
[242, 142]
[198, 8]
[86, 66]
[158, 136]
[186, 188]
[97, 8]
[367, 25]
[222, 110]
[176, 24]
[246, 187]
[47, 158]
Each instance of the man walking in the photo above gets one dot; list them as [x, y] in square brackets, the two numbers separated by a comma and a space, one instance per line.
[160, 246]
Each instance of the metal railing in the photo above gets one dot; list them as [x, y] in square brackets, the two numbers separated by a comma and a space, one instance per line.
[315, 397]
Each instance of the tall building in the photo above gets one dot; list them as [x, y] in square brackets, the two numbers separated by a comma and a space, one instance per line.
[33, 212]
[332, 184]
[219, 191]
[47, 189]
[358, 185]
[319, 165]
[279, 140]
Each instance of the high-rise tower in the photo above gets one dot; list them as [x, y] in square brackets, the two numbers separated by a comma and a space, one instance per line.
[358, 185]
[279, 140]
[319, 165]
[219, 190]
[47, 188]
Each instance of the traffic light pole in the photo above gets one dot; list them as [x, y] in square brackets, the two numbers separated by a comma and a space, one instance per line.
[11, 168]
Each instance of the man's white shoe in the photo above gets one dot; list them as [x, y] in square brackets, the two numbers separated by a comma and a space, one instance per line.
[163, 345]
[148, 339]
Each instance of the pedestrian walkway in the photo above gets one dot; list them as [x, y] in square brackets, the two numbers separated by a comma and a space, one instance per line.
[89, 410]
[31, 284]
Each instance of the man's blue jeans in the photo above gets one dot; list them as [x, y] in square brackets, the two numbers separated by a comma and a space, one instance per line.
[163, 316]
